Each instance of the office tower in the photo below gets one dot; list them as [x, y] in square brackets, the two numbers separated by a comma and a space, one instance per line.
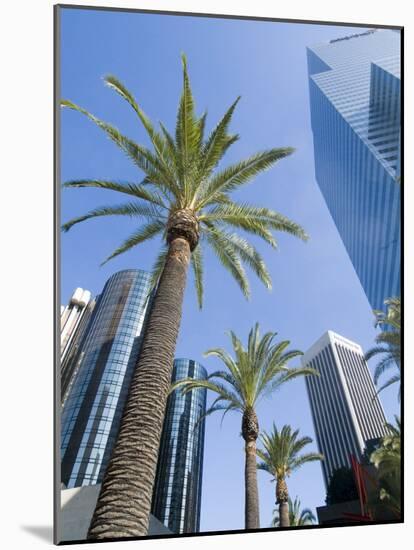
[177, 492]
[75, 319]
[346, 414]
[93, 408]
[354, 86]
[71, 317]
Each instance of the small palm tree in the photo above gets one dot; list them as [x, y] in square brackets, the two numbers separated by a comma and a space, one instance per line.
[388, 342]
[280, 457]
[186, 201]
[297, 517]
[253, 373]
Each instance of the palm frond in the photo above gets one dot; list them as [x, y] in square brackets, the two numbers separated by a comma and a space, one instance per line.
[289, 375]
[230, 260]
[217, 143]
[245, 251]
[393, 380]
[233, 213]
[187, 134]
[225, 394]
[137, 191]
[144, 233]
[131, 209]
[197, 265]
[303, 459]
[140, 155]
[242, 172]
[385, 363]
[251, 226]
[156, 138]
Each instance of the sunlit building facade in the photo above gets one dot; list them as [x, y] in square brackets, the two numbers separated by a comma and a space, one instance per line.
[74, 323]
[177, 492]
[345, 410]
[354, 86]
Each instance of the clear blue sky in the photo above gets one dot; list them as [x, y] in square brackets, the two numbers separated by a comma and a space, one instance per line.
[315, 287]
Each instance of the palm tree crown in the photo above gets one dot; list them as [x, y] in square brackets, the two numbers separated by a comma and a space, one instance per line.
[253, 373]
[182, 193]
[388, 342]
[297, 516]
[280, 456]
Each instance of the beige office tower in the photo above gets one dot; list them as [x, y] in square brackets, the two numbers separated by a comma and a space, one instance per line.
[74, 320]
[346, 411]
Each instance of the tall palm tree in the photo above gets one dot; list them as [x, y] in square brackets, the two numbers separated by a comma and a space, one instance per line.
[253, 373]
[280, 457]
[388, 342]
[184, 199]
[297, 516]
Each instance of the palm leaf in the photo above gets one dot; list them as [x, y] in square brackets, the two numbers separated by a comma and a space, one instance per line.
[247, 253]
[197, 265]
[131, 209]
[242, 172]
[140, 155]
[142, 234]
[137, 191]
[230, 260]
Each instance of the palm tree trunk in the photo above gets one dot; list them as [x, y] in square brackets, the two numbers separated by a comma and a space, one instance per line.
[124, 502]
[250, 433]
[282, 498]
[251, 511]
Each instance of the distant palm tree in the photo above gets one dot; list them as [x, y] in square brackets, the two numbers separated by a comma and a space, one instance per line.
[253, 373]
[297, 517]
[183, 199]
[280, 457]
[388, 342]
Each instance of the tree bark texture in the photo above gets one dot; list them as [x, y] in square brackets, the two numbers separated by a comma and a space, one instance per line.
[124, 502]
[250, 432]
[282, 498]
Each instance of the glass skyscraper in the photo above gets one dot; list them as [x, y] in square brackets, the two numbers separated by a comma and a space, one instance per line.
[354, 86]
[102, 370]
[93, 408]
[177, 492]
[345, 410]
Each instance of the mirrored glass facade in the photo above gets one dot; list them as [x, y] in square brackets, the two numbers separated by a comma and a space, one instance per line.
[177, 492]
[92, 411]
[354, 86]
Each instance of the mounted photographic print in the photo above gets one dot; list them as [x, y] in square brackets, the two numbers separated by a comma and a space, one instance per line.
[228, 272]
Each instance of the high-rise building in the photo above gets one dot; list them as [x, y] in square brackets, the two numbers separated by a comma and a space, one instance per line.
[345, 410]
[93, 408]
[71, 316]
[74, 321]
[103, 367]
[177, 492]
[354, 85]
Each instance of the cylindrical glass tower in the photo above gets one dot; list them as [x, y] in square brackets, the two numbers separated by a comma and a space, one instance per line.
[92, 411]
[177, 492]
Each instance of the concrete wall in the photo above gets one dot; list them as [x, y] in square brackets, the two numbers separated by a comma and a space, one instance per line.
[77, 506]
